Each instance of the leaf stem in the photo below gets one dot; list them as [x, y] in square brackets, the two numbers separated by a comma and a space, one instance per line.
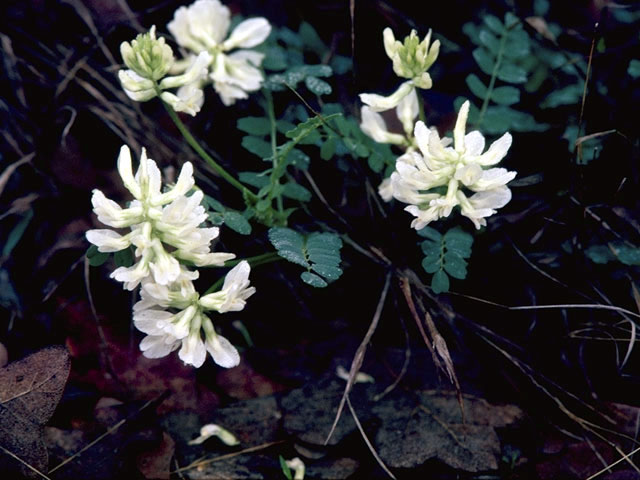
[421, 114]
[274, 179]
[205, 156]
[254, 261]
[494, 73]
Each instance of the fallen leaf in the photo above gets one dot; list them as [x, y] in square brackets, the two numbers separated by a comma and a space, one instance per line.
[30, 390]
[430, 427]
[156, 464]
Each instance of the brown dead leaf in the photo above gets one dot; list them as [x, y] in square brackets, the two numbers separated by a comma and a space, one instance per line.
[156, 464]
[30, 390]
[413, 433]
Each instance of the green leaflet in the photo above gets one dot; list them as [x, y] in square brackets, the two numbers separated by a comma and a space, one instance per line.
[236, 221]
[445, 255]
[95, 257]
[258, 126]
[319, 253]
[16, 234]
[602, 254]
[286, 471]
[503, 50]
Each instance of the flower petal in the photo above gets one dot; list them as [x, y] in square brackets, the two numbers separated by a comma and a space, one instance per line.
[248, 34]
[497, 151]
[107, 240]
[126, 172]
[459, 129]
[378, 103]
[474, 141]
[222, 351]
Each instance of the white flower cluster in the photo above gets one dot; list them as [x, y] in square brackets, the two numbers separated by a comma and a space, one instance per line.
[203, 27]
[170, 312]
[149, 59]
[411, 59]
[432, 176]
[434, 179]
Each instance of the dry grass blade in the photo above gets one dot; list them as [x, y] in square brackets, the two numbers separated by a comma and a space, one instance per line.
[403, 370]
[442, 350]
[359, 356]
[84, 13]
[366, 440]
[591, 306]
[584, 138]
[584, 94]
[11, 70]
[437, 346]
[105, 359]
[583, 423]
[111, 430]
[30, 467]
[200, 463]
[6, 174]
[406, 290]
[626, 456]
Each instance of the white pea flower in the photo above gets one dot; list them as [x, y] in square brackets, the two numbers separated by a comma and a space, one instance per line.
[192, 351]
[220, 349]
[411, 59]
[235, 290]
[374, 126]
[174, 316]
[149, 59]
[385, 190]
[155, 219]
[437, 178]
[212, 430]
[203, 27]
[298, 468]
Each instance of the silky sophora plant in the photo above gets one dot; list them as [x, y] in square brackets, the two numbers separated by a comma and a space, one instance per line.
[166, 230]
[434, 175]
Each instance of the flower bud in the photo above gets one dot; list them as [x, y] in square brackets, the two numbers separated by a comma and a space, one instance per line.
[148, 56]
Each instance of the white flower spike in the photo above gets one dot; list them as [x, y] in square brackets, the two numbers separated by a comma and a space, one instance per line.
[411, 60]
[420, 176]
[156, 220]
[149, 59]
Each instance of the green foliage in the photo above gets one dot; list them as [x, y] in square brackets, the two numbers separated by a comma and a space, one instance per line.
[236, 221]
[122, 258]
[634, 68]
[271, 182]
[16, 233]
[95, 257]
[445, 255]
[319, 253]
[614, 251]
[501, 53]
[286, 471]
[341, 136]
[589, 149]
[286, 53]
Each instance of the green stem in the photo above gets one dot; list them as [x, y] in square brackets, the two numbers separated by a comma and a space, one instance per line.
[421, 114]
[274, 147]
[205, 156]
[494, 73]
[253, 261]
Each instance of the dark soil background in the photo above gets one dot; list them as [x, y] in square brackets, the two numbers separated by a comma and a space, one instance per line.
[561, 369]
